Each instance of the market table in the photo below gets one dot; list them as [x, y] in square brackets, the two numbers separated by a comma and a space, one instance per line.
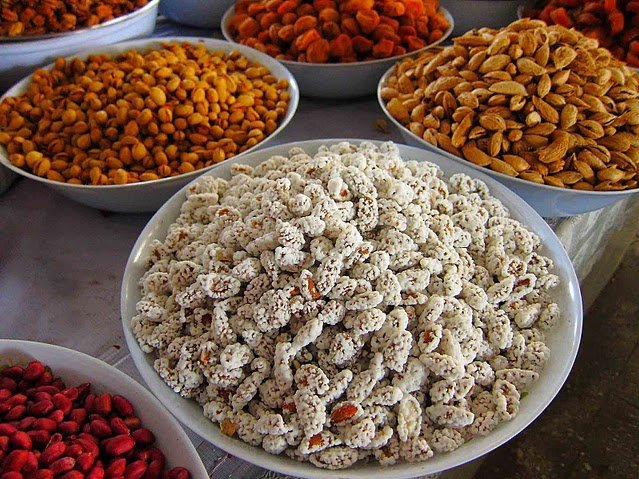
[61, 263]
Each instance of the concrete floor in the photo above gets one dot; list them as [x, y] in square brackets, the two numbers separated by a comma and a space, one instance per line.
[591, 430]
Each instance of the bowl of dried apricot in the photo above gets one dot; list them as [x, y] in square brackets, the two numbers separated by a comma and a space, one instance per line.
[35, 33]
[541, 108]
[124, 129]
[337, 49]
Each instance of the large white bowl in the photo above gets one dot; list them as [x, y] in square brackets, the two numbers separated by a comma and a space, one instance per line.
[548, 201]
[563, 339]
[150, 195]
[197, 13]
[74, 368]
[340, 80]
[21, 55]
[471, 14]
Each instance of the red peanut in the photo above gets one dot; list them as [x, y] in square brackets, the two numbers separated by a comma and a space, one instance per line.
[118, 445]
[21, 440]
[46, 424]
[53, 452]
[116, 467]
[122, 405]
[179, 473]
[16, 460]
[85, 461]
[135, 470]
[41, 408]
[34, 371]
[143, 436]
[62, 465]
[60, 401]
[118, 426]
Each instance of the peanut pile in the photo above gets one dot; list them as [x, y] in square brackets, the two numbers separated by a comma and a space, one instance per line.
[541, 103]
[38, 17]
[140, 116]
[337, 31]
[50, 430]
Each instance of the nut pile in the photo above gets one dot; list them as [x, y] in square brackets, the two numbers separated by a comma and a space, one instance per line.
[37, 17]
[140, 116]
[541, 103]
[321, 31]
[614, 23]
[50, 430]
[348, 306]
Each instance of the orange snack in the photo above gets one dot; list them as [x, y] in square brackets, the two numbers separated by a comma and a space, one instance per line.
[613, 23]
[337, 31]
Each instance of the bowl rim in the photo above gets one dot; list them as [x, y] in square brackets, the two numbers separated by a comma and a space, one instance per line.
[213, 44]
[549, 188]
[226, 18]
[142, 394]
[284, 465]
[47, 36]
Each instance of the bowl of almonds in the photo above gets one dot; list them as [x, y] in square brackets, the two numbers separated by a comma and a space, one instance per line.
[541, 108]
[124, 128]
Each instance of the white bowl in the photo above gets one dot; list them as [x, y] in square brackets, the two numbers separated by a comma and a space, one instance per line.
[563, 340]
[21, 55]
[340, 80]
[75, 368]
[471, 14]
[197, 13]
[150, 195]
[548, 201]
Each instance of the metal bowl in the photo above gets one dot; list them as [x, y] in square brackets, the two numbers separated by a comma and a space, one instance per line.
[340, 80]
[21, 55]
[563, 339]
[150, 195]
[548, 201]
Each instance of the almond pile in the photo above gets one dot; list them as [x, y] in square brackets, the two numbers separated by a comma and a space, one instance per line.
[542, 103]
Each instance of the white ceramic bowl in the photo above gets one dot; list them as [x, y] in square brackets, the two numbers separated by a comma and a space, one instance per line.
[563, 340]
[196, 13]
[548, 201]
[340, 80]
[469, 14]
[21, 55]
[76, 368]
[150, 195]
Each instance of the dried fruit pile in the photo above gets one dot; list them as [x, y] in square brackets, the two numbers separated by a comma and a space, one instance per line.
[37, 17]
[320, 31]
[545, 104]
[614, 23]
[50, 430]
[141, 116]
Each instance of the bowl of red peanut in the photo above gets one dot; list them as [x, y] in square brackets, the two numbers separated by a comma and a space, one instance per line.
[68, 415]
[337, 49]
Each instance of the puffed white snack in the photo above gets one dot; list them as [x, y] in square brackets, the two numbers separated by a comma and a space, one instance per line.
[348, 306]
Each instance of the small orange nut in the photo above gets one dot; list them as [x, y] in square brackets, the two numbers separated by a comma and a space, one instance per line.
[343, 413]
[228, 427]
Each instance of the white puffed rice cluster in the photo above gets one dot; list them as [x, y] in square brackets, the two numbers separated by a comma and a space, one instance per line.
[348, 306]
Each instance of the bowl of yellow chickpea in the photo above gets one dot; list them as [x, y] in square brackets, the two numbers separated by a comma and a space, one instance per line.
[124, 128]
